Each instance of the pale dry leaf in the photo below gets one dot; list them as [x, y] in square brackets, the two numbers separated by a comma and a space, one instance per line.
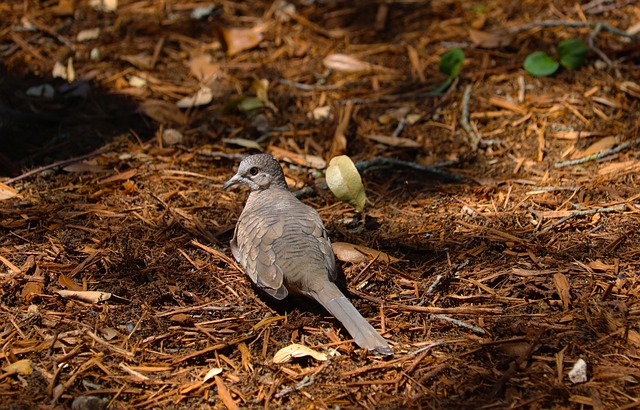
[394, 141]
[394, 114]
[345, 64]
[235, 40]
[143, 60]
[348, 252]
[104, 5]
[489, 40]
[137, 82]
[625, 166]
[321, 113]
[91, 296]
[171, 136]
[345, 182]
[89, 34]
[211, 373]
[285, 354]
[123, 176]
[306, 160]
[22, 367]
[6, 192]
[202, 97]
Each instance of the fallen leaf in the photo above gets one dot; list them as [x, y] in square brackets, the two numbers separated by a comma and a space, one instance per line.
[346, 64]
[202, 97]
[562, 286]
[235, 40]
[600, 145]
[211, 373]
[305, 160]
[285, 354]
[629, 87]
[104, 5]
[242, 142]
[67, 282]
[394, 141]
[203, 68]
[394, 114]
[6, 192]
[89, 34]
[142, 61]
[348, 252]
[92, 296]
[123, 176]
[345, 182]
[83, 166]
[624, 166]
[163, 112]
[489, 40]
[22, 367]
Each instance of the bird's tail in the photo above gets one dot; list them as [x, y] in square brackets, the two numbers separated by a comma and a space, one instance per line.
[362, 332]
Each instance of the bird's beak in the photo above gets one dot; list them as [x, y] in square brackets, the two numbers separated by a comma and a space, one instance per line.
[236, 179]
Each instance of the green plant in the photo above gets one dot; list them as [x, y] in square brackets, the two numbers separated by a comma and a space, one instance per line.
[571, 53]
[450, 64]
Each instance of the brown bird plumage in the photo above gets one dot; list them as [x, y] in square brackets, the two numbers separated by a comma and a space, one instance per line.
[282, 245]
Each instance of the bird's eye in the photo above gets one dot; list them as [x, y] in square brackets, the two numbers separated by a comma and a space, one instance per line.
[253, 171]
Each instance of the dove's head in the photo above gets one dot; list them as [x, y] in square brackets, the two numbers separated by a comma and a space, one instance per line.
[258, 172]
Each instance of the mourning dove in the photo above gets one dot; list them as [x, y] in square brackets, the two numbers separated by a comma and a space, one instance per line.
[283, 246]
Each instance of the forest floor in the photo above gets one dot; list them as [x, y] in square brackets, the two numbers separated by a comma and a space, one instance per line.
[116, 278]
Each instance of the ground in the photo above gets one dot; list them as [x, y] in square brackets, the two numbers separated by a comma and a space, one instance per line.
[511, 267]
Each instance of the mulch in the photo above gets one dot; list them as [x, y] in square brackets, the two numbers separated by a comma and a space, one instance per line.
[116, 279]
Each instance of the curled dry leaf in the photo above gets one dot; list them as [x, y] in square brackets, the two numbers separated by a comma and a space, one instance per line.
[601, 145]
[235, 40]
[211, 373]
[202, 97]
[344, 181]
[346, 64]
[91, 296]
[394, 141]
[348, 252]
[285, 354]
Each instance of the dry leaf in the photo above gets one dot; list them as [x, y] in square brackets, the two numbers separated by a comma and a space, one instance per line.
[489, 40]
[600, 145]
[601, 266]
[211, 373]
[630, 88]
[562, 286]
[6, 192]
[142, 61]
[243, 142]
[163, 112]
[235, 40]
[67, 282]
[91, 296]
[89, 34]
[394, 141]
[104, 5]
[203, 68]
[625, 166]
[285, 354]
[348, 252]
[202, 97]
[306, 160]
[346, 64]
[123, 176]
[84, 166]
[344, 181]
[22, 367]
[394, 114]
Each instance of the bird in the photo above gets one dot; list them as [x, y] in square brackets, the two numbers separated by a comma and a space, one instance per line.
[283, 246]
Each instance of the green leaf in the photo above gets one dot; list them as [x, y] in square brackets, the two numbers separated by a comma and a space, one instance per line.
[451, 61]
[572, 53]
[344, 181]
[540, 64]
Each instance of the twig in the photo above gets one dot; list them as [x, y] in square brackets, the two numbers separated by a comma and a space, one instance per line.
[56, 165]
[460, 323]
[464, 119]
[378, 163]
[616, 208]
[564, 23]
[433, 285]
[308, 87]
[598, 155]
[590, 41]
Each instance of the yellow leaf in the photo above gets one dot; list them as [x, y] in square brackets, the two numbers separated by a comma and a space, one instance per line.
[344, 181]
